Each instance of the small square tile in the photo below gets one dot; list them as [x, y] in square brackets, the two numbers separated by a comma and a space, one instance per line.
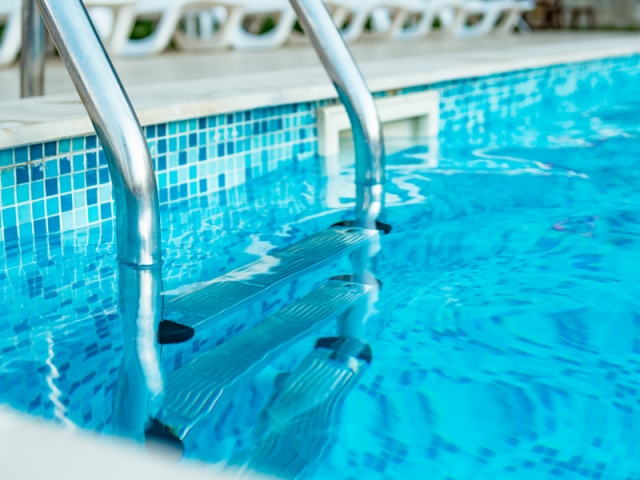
[6, 157]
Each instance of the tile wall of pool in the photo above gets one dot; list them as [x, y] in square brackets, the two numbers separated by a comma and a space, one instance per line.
[64, 185]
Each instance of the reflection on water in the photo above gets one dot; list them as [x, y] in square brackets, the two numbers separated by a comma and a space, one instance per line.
[505, 342]
[140, 376]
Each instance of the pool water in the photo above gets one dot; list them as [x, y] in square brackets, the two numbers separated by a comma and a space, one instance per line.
[506, 342]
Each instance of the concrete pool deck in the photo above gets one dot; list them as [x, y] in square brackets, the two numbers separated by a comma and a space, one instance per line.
[180, 85]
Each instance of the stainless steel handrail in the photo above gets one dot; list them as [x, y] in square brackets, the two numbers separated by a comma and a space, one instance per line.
[33, 51]
[137, 209]
[357, 99]
[115, 122]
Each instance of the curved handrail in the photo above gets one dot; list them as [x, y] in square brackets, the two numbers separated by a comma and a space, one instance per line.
[358, 101]
[115, 122]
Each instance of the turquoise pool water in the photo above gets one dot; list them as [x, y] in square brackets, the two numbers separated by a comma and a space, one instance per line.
[507, 339]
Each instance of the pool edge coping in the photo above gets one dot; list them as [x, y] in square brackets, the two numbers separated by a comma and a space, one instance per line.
[55, 117]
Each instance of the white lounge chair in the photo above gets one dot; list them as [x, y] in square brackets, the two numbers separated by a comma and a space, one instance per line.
[11, 17]
[254, 14]
[229, 16]
[351, 16]
[390, 17]
[425, 13]
[497, 15]
[113, 20]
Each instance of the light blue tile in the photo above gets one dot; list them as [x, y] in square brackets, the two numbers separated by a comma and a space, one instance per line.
[9, 217]
[68, 221]
[81, 217]
[65, 184]
[8, 196]
[64, 146]
[79, 199]
[53, 207]
[78, 181]
[24, 193]
[77, 144]
[37, 209]
[105, 193]
[24, 213]
[37, 190]
[51, 168]
[94, 215]
[6, 157]
[8, 177]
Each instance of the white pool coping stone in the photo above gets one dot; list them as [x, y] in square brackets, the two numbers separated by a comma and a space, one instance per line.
[31, 449]
[61, 116]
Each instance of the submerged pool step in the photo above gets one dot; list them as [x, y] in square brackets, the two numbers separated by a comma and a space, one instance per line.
[237, 288]
[191, 392]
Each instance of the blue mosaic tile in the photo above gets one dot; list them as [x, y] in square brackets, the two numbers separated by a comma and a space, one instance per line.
[236, 146]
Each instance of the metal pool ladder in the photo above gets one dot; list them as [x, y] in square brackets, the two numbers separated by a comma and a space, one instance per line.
[192, 391]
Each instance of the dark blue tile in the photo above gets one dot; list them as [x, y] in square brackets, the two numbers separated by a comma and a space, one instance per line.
[203, 185]
[104, 175]
[51, 186]
[40, 227]
[202, 153]
[193, 139]
[247, 115]
[230, 119]
[221, 180]
[50, 149]
[66, 202]
[221, 149]
[164, 195]
[35, 152]
[202, 123]
[162, 146]
[230, 148]
[162, 163]
[182, 158]
[54, 224]
[92, 160]
[92, 196]
[151, 131]
[92, 178]
[65, 166]
[21, 155]
[22, 175]
[162, 130]
[102, 158]
[91, 142]
[10, 233]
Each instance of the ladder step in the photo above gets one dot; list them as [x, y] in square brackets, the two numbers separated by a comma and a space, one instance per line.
[235, 289]
[192, 391]
[297, 424]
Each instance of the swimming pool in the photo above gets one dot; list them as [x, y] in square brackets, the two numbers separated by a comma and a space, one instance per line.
[507, 335]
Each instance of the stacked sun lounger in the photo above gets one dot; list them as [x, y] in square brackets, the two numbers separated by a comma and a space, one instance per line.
[220, 24]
